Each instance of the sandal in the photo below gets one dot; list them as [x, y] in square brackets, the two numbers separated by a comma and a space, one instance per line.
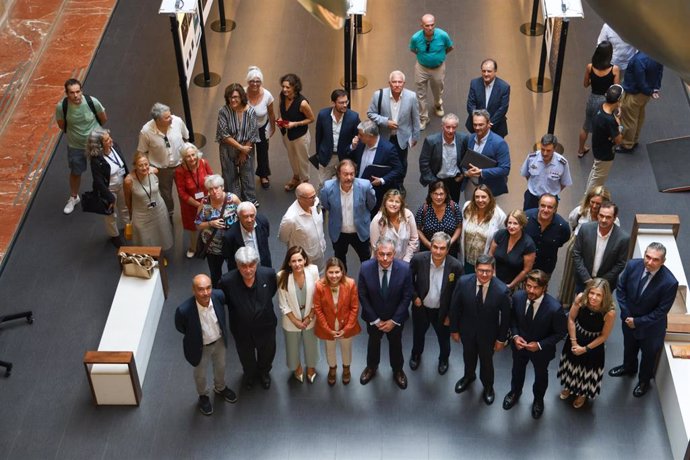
[565, 394]
[583, 153]
[265, 183]
[346, 375]
[298, 374]
[292, 185]
[579, 402]
[331, 375]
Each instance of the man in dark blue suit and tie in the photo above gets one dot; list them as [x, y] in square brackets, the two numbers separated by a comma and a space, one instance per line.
[537, 323]
[490, 145]
[492, 94]
[201, 319]
[479, 313]
[385, 293]
[646, 291]
[335, 128]
[367, 149]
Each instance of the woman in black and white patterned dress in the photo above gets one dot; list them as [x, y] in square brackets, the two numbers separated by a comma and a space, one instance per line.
[590, 322]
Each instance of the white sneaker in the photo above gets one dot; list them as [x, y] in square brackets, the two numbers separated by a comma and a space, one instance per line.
[71, 203]
[439, 111]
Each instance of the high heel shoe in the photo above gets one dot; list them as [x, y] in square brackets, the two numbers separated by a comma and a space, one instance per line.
[299, 374]
[346, 375]
[579, 402]
[331, 375]
[311, 374]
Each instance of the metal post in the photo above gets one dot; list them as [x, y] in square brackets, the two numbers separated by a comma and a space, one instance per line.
[222, 24]
[358, 23]
[208, 78]
[532, 28]
[354, 55]
[557, 77]
[540, 84]
[347, 83]
[174, 27]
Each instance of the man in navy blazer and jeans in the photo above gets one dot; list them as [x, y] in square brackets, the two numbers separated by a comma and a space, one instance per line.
[349, 202]
[335, 128]
[646, 291]
[537, 323]
[201, 319]
[385, 293]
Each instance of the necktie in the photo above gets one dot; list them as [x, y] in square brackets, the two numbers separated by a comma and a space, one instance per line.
[384, 284]
[643, 281]
[480, 297]
[529, 314]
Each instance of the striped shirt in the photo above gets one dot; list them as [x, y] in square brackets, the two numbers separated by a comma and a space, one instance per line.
[240, 126]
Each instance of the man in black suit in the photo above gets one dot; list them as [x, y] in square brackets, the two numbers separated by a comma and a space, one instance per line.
[434, 274]
[368, 148]
[201, 319]
[385, 292]
[441, 156]
[537, 323]
[335, 128]
[251, 229]
[480, 310]
[600, 249]
[249, 292]
[646, 291]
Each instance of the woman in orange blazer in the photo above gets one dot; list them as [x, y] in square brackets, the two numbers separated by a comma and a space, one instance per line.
[336, 305]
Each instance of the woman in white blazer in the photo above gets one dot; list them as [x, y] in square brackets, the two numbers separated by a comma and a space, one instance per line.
[481, 218]
[396, 222]
[296, 282]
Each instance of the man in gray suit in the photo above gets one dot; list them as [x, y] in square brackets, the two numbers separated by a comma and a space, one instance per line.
[396, 113]
[441, 156]
[601, 249]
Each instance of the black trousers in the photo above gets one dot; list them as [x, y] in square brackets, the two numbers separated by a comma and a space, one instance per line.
[422, 318]
[345, 240]
[395, 354]
[650, 348]
[541, 371]
[473, 350]
[453, 189]
[215, 268]
[256, 349]
[262, 165]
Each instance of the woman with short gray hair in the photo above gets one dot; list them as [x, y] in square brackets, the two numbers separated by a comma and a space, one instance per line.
[108, 169]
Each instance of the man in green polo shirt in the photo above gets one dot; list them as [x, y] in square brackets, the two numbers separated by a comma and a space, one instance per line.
[431, 46]
[82, 116]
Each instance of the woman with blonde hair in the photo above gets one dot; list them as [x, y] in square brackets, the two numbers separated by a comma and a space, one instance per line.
[590, 322]
[396, 222]
[336, 304]
[514, 250]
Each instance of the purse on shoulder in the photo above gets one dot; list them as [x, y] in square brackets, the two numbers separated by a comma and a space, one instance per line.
[93, 202]
[137, 265]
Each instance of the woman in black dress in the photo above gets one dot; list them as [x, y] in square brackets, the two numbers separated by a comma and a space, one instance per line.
[514, 250]
[590, 322]
[439, 214]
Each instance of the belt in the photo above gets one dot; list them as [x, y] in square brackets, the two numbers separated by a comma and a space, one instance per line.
[209, 344]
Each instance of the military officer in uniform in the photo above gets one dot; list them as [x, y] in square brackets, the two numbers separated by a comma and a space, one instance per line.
[546, 172]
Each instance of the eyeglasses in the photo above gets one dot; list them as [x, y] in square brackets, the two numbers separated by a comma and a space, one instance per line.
[428, 45]
[167, 142]
[255, 82]
[483, 272]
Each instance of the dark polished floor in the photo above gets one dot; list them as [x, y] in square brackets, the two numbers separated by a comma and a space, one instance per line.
[64, 268]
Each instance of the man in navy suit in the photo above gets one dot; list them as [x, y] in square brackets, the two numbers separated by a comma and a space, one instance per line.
[537, 323]
[441, 156]
[646, 291]
[491, 145]
[434, 274]
[492, 94]
[201, 319]
[349, 202]
[335, 128]
[367, 149]
[385, 292]
[251, 229]
[479, 314]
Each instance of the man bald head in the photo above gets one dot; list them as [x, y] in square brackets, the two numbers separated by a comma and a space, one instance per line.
[306, 195]
[201, 287]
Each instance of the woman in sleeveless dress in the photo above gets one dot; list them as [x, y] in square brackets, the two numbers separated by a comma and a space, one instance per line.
[600, 74]
[590, 322]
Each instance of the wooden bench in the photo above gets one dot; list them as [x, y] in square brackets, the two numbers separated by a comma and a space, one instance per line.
[117, 370]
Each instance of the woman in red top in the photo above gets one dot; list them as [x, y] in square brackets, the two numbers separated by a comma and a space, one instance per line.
[189, 178]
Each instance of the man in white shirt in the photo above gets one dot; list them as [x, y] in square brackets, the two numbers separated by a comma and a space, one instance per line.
[302, 225]
[201, 319]
[161, 139]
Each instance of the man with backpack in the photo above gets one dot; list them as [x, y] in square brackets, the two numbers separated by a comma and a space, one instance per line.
[77, 115]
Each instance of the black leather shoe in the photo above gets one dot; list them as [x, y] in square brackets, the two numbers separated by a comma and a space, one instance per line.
[621, 149]
[641, 389]
[537, 408]
[510, 400]
[400, 379]
[414, 361]
[367, 374]
[247, 382]
[488, 396]
[463, 383]
[265, 381]
[620, 371]
[442, 367]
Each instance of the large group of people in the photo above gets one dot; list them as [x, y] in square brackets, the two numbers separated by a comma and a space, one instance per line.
[469, 269]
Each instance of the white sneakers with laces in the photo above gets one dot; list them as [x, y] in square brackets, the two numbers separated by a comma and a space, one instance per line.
[71, 203]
